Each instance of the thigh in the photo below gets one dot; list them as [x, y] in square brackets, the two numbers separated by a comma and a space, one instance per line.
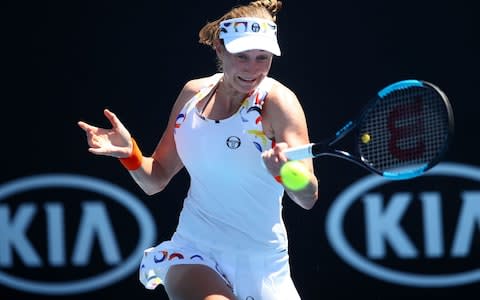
[158, 260]
[264, 277]
[185, 282]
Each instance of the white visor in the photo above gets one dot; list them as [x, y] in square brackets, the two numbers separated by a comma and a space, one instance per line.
[242, 34]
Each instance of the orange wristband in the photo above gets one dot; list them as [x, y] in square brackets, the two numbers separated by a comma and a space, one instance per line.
[134, 161]
[278, 178]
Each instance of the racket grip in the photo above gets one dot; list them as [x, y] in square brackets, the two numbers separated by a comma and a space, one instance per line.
[300, 152]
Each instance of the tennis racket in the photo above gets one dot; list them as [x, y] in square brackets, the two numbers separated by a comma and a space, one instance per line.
[402, 132]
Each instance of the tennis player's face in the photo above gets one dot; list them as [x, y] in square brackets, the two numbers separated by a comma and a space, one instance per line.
[245, 70]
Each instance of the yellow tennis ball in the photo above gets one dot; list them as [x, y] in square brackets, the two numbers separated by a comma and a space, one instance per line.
[295, 175]
[365, 138]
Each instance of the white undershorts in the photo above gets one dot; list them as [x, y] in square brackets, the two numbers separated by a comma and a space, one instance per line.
[251, 276]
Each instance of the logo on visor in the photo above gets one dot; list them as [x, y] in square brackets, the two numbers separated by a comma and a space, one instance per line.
[246, 25]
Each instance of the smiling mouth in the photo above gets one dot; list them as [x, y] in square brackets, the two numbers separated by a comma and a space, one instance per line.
[247, 80]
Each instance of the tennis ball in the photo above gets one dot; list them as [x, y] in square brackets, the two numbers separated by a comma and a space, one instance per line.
[365, 138]
[295, 175]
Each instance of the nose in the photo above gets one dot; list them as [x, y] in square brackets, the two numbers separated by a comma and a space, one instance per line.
[251, 65]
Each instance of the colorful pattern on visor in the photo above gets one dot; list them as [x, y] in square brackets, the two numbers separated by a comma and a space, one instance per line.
[241, 34]
[242, 26]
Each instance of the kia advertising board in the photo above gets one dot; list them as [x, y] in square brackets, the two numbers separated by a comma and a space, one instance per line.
[74, 225]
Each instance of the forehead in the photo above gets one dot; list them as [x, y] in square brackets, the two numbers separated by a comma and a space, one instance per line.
[254, 52]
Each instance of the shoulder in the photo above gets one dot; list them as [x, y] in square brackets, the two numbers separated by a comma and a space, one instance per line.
[282, 110]
[280, 97]
[193, 86]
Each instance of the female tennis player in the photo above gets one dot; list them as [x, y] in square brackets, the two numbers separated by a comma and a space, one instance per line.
[230, 242]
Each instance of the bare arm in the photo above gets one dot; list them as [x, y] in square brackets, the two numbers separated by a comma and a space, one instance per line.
[156, 170]
[284, 120]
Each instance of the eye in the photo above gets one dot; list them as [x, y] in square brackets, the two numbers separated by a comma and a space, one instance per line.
[262, 57]
[242, 56]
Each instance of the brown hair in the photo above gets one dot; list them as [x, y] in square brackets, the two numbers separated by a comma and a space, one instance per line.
[266, 9]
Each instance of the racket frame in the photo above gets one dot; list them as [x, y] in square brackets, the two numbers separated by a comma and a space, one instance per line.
[326, 147]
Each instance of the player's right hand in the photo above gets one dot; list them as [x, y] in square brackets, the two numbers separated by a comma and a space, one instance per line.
[115, 141]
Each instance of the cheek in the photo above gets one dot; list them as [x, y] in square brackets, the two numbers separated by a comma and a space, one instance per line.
[226, 66]
[263, 67]
[231, 65]
[267, 65]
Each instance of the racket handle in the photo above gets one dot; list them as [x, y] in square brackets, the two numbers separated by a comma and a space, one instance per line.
[300, 152]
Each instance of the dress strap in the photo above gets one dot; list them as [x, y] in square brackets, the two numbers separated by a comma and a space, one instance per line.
[258, 98]
[213, 82]
[214, 79]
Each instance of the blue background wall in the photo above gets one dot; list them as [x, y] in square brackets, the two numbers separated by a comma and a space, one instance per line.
[65, 61]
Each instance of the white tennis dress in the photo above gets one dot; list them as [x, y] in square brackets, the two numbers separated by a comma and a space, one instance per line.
[232, 216]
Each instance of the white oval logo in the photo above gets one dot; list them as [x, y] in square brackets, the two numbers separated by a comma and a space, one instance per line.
[146, 224]
[336, 235]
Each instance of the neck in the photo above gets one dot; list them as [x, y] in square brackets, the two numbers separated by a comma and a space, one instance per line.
[223, 102]
[228, 97]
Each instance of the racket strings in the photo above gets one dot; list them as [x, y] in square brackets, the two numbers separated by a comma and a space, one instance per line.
[407, 130]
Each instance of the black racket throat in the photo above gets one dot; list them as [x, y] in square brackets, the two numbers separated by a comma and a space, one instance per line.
[342, 146]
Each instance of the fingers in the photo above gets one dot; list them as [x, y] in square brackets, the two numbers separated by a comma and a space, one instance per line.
[99, 151]
[84, 126]
[109, 115]
[91, 133]
[278, 151]
[274, 158]
[115, 141]
[112, 118]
